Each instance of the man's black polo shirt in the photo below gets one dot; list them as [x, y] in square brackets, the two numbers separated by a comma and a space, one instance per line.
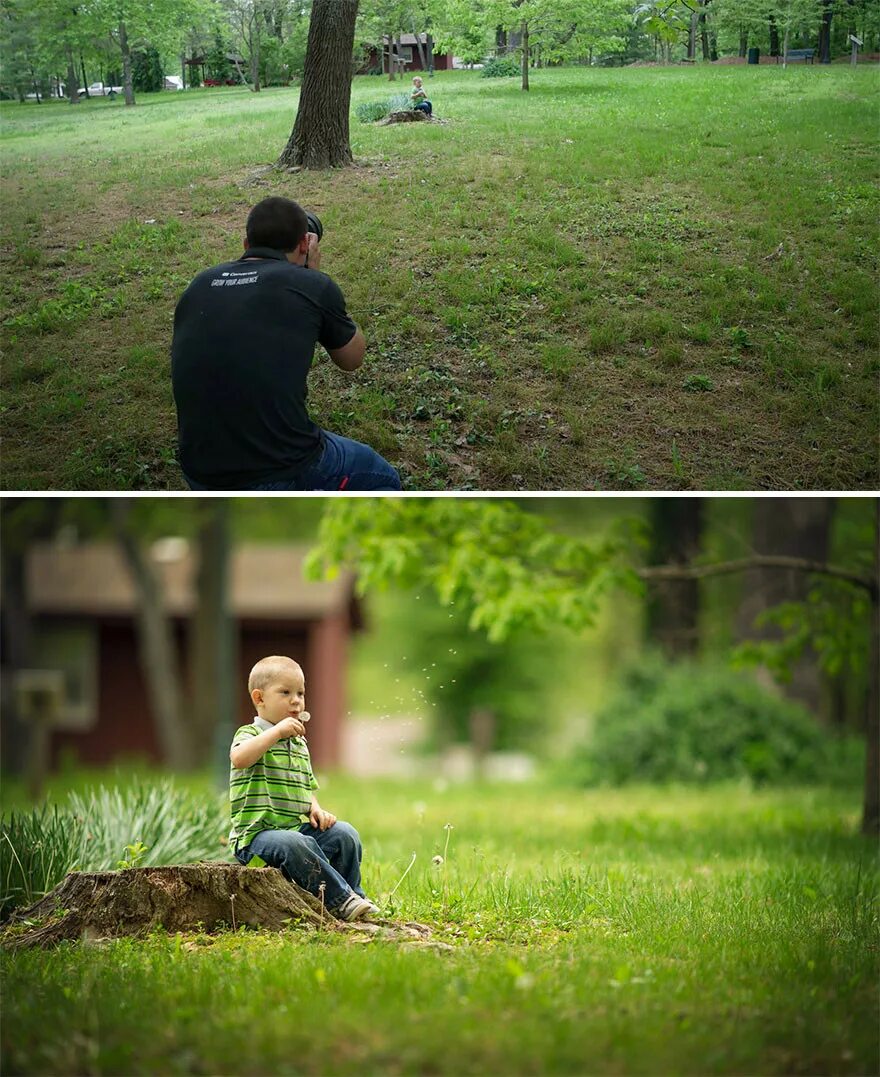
[244, 339]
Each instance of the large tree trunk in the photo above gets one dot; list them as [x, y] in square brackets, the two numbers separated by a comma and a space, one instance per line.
[127, 87]
[692, 36]
[525, 55]
[674, 605]
[156, 643]
[212, 661]
[82, 65]
[796, 527]
[743, 42]
[88, 906]
[871, 810]
[320, 137]
[422, 58]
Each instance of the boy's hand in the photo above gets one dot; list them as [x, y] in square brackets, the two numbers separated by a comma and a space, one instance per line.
[320, 819]
[313, 257]
[289, 727]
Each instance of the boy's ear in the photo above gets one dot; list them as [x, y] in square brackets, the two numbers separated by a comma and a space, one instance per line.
[257, 697]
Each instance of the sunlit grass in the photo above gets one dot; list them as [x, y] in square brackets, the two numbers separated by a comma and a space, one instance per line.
[638, 930]
[538, 277]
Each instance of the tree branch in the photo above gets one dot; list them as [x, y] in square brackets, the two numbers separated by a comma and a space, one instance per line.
[726, 568]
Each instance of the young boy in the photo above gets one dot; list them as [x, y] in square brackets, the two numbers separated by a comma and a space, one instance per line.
[271, 792]
[419, 98]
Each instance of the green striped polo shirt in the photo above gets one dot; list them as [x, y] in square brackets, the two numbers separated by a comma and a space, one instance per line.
[275, 793]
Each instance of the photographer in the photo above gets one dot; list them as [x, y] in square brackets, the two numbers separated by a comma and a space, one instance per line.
[244, 338]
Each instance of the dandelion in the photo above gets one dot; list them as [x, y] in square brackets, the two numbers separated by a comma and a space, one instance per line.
[437, 860]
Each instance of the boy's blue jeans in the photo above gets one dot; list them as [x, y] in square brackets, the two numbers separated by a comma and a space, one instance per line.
[343, 465]
[309, 857]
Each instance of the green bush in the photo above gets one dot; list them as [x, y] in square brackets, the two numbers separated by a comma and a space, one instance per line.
[92, 832]
[371, 111]
[700, 723]
[500, 67]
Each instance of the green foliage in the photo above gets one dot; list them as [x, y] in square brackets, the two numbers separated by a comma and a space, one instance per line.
[504, 565]
[147, 74]
[371, 111]
[148, 822]
[695, 723]
[500, 67]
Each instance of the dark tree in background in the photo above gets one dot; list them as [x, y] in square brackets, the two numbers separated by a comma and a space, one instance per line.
[673, 607]
[320, 136]
[795, 527]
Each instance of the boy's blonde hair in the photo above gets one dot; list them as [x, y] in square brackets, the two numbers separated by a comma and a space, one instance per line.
[267, 669]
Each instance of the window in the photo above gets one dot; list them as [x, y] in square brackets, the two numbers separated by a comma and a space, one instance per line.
[73, 649]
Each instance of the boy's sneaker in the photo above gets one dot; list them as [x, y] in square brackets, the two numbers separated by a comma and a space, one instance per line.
[355, 908]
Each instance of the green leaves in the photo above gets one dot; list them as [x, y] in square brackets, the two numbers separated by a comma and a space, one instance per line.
[506, 565]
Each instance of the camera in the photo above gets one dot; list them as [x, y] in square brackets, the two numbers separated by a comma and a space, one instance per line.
[314, 224]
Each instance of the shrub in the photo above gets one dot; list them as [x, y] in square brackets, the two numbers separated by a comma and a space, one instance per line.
[700, 723]
[500, 67]
[371, 111]
[91, 833]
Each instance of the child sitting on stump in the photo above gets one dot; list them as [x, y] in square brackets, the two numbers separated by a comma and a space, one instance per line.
[271, 794]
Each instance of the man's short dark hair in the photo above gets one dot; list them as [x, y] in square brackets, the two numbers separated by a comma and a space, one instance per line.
[276, 222]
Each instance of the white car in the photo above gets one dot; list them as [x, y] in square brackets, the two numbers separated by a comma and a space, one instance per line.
[100, 89]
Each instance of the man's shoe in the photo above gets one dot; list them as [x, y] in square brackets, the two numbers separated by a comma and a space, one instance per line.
[355, 908]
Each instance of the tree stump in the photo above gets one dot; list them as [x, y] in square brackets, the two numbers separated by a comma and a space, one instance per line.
[409, 115]
[193, 897]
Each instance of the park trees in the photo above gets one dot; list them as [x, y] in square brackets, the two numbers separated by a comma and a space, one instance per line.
[510, 570]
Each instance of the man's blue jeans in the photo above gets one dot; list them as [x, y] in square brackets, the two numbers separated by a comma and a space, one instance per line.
[310, 857]
[343, 465]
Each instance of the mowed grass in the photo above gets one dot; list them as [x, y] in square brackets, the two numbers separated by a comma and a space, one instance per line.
[644, 278]
[658, 931]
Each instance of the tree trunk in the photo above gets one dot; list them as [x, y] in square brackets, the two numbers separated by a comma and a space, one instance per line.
[183, 69]
[212, 661]
[743, 42]
[713, 46]
[500, 39]
[692, 36]
[94, 906]
[430, 50]
[704, 36]
[422, 58]
[774, 36]
[72, 88]
[871, 809]
[126, 65]
[785, 49]
[673, 606]
[797, 527]
[825, 32]
[525, 55]
[320, 136]
[254, 42]
[82, 65]
[390, 56]
[156, 643]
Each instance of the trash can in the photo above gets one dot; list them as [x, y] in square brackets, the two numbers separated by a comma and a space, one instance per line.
[754, 56]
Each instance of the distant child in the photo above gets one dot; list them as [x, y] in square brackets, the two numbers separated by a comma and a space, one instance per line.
[419, 98]
[271, 794]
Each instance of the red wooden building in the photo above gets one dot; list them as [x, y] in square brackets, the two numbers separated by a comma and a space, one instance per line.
[406, 55]
[82, 603]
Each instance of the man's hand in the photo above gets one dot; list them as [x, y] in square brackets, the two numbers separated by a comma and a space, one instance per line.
[289, 727]
[320, 819]
[313, 257]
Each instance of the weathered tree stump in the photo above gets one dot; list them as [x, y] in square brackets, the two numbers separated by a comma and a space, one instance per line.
[193, 897]
[408, 115]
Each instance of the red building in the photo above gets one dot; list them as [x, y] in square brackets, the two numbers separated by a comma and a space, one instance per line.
[406, 55]
[82, 603]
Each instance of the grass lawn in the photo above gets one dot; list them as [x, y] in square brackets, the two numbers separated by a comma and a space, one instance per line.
[637, 931]
[645, 278]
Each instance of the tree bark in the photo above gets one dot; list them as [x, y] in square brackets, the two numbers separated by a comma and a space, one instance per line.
[774, 36]
[796, 527]
[320, 136]
[72, 88]
[743, 42]
[156, 643]
[674, 605]
[390, 56]
[212, 661]
[825, 32]
[126, 65]
[95, 906]
[82, 65]
[422, 58]
[525, 55]
[692, 36]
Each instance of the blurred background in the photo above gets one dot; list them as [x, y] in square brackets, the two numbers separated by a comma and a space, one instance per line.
[129, 627]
